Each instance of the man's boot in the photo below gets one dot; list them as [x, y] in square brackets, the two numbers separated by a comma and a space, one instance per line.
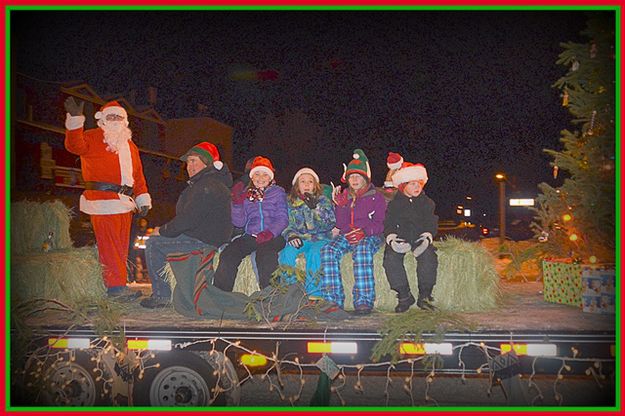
[404, 301]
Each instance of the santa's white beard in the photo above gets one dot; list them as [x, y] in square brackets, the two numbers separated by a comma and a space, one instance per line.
[115, 134]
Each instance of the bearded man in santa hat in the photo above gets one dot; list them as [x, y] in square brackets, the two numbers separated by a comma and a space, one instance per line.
[114, 186]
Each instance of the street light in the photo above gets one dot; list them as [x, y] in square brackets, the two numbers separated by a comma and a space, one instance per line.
[501, 178]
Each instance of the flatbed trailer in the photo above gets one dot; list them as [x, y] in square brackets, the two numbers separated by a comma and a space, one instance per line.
[168, 359]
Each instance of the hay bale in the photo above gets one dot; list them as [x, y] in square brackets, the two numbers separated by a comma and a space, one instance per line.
[248, 284]
[466, 280]
[31, 222]
[71, 276]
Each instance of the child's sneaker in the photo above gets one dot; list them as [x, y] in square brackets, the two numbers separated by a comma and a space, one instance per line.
[362, 309]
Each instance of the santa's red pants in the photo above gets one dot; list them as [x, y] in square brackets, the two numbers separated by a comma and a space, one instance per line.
[112, 234]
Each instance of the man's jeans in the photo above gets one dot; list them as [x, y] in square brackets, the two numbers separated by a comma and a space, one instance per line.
[157, 248]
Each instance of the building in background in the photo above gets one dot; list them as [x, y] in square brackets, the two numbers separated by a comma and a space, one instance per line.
[184, 133]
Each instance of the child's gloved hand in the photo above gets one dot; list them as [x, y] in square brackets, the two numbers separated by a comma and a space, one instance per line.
[399, 245]
[295, 241]
[339, 197]
[354, 236]
[264, 236]
[342, 198]
[421, 244]
[238, 193]
[310, 200]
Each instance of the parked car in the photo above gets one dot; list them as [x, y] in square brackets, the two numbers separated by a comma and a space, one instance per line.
[516, 230]
[464, 230]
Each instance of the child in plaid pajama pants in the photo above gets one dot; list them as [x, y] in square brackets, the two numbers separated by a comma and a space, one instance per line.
[360, 211]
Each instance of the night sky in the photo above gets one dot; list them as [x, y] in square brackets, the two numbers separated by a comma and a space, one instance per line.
[467, 93]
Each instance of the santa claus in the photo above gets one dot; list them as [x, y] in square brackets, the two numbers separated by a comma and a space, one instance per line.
[114, 185]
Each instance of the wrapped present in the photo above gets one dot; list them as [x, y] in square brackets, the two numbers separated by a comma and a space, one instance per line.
[588, 286]
[598, 289]
[562, 282]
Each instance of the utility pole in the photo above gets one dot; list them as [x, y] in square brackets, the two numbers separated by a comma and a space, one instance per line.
[501, 178]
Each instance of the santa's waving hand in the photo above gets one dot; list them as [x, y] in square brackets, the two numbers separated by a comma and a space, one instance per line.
[113, 175]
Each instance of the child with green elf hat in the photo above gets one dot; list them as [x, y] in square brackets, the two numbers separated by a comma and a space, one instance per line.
[359, 210]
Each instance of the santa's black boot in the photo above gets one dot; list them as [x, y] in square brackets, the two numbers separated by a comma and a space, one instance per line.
[404, 301]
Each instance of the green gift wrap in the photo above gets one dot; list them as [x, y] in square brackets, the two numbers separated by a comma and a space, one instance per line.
[562, 282]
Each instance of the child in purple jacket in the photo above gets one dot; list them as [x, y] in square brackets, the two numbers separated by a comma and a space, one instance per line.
[262, 213]
[360, 211]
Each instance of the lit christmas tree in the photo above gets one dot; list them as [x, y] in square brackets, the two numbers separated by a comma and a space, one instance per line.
[577, 219]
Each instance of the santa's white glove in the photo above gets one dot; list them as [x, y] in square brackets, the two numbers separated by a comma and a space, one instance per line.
[422, 244]
[398, 245]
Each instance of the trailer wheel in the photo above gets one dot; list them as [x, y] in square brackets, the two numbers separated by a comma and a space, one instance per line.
[229, 378]
[181, 379]
[75, 381]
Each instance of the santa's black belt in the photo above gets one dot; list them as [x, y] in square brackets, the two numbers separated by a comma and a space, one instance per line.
[106, 186]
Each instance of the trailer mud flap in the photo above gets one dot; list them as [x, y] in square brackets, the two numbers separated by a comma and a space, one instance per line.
[505, 365]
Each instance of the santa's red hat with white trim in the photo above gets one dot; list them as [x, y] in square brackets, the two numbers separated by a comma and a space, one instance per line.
[112, 107]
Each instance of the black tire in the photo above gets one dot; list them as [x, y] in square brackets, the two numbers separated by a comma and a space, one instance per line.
[75, 382]
[229, 379]
[181, 379]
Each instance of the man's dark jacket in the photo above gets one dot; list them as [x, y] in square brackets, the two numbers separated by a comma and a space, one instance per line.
[203, 209]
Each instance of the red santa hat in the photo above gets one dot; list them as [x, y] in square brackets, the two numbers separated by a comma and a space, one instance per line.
[303, 171]
[410, 172]
[394, 160]
[262, 164]
[207, 152]
[112, 107]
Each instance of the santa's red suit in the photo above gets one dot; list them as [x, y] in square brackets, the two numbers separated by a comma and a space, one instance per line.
[111, 212]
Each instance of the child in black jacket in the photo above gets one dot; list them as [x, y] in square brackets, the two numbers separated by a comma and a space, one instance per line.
[409, 226]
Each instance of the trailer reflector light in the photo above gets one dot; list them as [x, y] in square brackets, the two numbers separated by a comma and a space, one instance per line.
[412, 348]
[612, 350]
[149, 344]
[545, 350]
[444, 348]
[253, 360]
[73, 343]
[332, 347]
